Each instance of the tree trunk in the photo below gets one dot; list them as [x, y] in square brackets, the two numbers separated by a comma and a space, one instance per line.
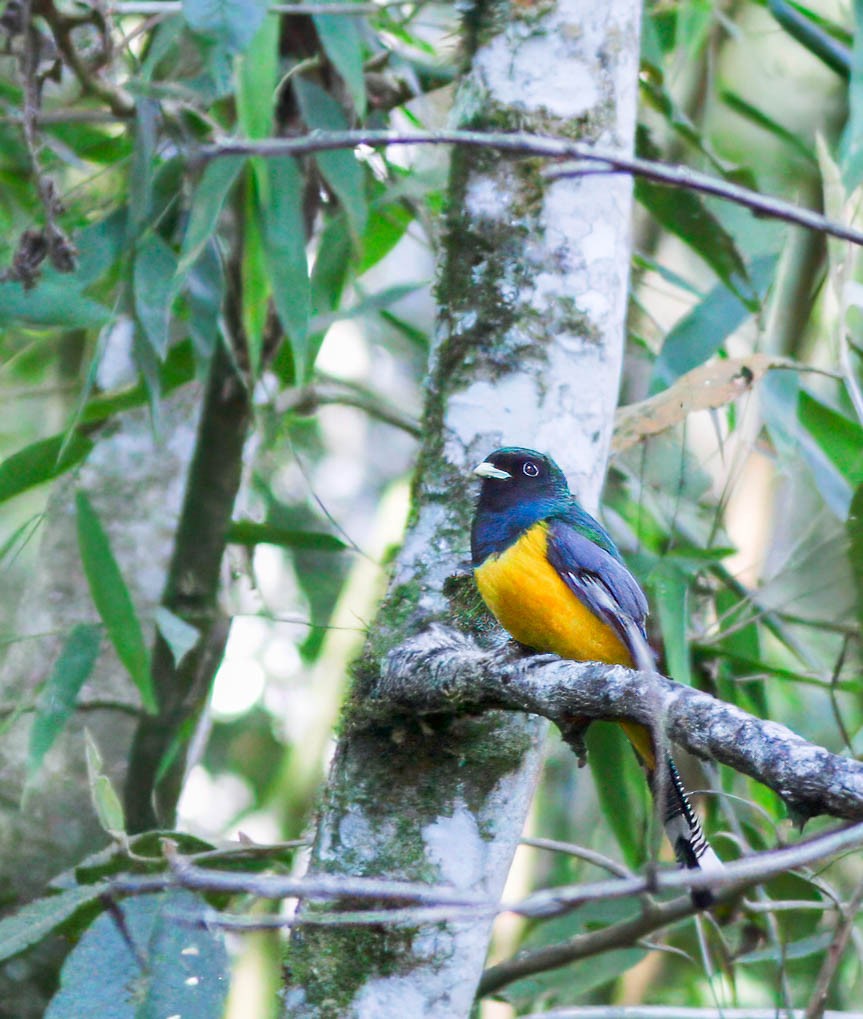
[532, 296]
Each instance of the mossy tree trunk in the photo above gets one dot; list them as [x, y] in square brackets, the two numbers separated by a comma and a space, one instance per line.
[532, 302]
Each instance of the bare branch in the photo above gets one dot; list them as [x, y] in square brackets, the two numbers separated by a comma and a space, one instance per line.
[654, 917]
[444, 671]
[844, 927]
[586, 160]
[677, 1012]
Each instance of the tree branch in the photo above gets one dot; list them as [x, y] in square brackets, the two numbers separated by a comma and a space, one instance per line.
[444, 671]
[587, 159]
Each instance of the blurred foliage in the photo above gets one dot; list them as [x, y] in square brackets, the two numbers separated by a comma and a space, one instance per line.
[744, 522]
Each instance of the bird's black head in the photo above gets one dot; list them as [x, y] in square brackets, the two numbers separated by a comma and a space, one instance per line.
[519, 488]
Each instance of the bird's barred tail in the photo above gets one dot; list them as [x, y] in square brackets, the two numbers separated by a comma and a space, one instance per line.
[683, 828]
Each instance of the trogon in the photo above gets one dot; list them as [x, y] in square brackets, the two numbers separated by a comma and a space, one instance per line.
[555, 581]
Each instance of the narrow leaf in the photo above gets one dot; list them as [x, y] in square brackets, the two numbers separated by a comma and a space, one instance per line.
[685, 214]
[703, 331]
[32, 922]
[212, 190]
[670, 595]
[249, 532]
[285, 256]
[49, 304]
[854, 528]
[113, 601]
[340, 36]
[106, 802]
[155, 268]
[57, 700]
[231, 23]
[256, 288]
[340, 169]
[256, 80]
[620, 788]
[39, 462]
[839, 437]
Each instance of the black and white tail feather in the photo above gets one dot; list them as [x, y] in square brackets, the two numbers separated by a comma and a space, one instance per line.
[682, 827]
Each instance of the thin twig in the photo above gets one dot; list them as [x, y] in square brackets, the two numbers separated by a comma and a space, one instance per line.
[581, 853]
[674, 1012]
[136, 8]
[815, 1008]
[597, 160]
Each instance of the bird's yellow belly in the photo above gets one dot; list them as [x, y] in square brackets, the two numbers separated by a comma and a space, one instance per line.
[531, 602]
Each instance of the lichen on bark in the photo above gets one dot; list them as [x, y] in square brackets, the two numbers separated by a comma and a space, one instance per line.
[532, 299]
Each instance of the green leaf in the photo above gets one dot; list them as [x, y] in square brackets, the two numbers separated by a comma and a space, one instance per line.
[342, 41]
[50, 304]
[113, 601]
[249, 532]
[257, 76]
[230, 23]
[57, 700]
[141, 167]
[340, 169]
[854, 528]
[702, 332]
[684, 214]
[744, 109]
[387, 225]
[39, 462]
[839, 436]
[179, 635]
[185, 965]
[285, 256]
[106, 802]
[99, 246]
[205, 288]
[669, 587]
[256, 288]
[155, 268]
[620, 787]
[371, 302]
[805, 29]
[32, 922]
[212, 190]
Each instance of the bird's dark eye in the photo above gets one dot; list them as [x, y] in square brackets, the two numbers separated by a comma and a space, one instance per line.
[530, 469]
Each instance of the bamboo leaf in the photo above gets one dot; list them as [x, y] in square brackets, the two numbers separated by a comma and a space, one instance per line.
[854, 527]
[212, 190]
[230, 23]
[39, 462]
[57, 700]
[155, 268]
[284, 238]
[113, 601]
[702, 332]
[340, 169]
[340, 36]
[249, 532]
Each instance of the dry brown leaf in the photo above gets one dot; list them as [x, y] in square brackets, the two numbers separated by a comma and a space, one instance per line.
[709, 385]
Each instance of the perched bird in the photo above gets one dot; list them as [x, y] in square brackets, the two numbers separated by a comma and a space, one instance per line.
[553, 578]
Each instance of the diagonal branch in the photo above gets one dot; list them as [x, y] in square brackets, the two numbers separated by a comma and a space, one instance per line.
[582, 160]
[444, 671]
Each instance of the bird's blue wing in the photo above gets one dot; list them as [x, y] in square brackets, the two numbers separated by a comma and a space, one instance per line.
[601, 581]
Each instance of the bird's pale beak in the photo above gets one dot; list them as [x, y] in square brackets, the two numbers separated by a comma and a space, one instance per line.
[488, 470]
